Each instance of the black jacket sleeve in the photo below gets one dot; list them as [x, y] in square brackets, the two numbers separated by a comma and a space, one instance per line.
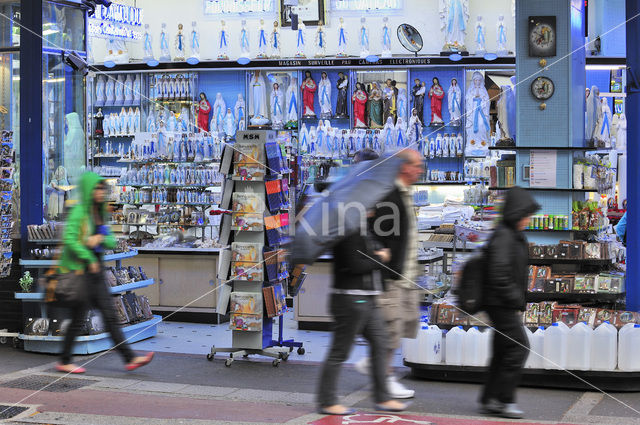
[501, 280]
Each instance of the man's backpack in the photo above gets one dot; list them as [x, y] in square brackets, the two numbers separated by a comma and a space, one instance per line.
[471, 284]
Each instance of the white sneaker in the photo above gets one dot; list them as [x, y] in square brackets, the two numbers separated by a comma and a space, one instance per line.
[397, 390]
[363, 366]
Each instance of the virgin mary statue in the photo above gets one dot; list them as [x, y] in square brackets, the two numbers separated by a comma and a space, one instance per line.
[454, 15]
[258, 100]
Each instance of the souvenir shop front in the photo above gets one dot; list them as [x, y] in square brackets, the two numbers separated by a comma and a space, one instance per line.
[181, 114]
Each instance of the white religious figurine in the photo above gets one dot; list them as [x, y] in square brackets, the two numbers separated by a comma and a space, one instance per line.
[603, 129]
[386, 38]
[342, 40]
[402, 104]
[258, 100]
[245, 47]
[364, 38]
[478, 129]
[621, 132]
[136, 121]
[262, 42]
[184, 120]
[147, 45]
[291, 112]
[151, 122]
[304, 139]
[121, 52]
[240, 110]
[593, 116]
[277, 107]
[219, 109]
[180, 45]
[223, 47]
[502, 37]
[128, 90]
[414, 133]
[481, 40]
[321, 42]
[454, 15]
[505, 127]
[324, 87]
[229, 126]
[275, 42]
[137, 90]
[401, 134]
[313, 141]
[300, 46]
[100, 90]
[388, 135]
[110, 91]
[194, 44]
[454, 101]
[165, 53]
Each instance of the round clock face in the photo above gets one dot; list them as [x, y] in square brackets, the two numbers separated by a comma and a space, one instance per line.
[542, 88]
[542, 37]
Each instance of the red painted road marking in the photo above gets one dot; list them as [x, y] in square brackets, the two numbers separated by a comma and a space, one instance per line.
[383, 419]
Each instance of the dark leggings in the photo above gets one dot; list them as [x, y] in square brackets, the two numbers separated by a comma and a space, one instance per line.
[100, 298]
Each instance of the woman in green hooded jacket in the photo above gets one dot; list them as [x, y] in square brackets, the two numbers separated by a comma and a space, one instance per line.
[86, 236]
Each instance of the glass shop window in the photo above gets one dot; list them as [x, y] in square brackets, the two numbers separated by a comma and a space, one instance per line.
[62, 27]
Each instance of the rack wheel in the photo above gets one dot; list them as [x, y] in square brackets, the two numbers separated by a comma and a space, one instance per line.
[301, 351]
[210, 357]
[285, 357]
[276, 363]
[228, 362]
[3, 340]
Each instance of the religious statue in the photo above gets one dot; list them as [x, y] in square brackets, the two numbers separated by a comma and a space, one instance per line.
[128, 90]
[343, 86]
[342, 40]
[223, 48]
[100, 90]
[454, 15]
[401, 134]
[304, 139]
[258, 100]
[245, 47]
[502, 37]
[321, 42]
[481, 43]
[390, 97]
[194, 45]
[300, 46]
[359, 100]
[277, 107]
[151, 122]
[179, 45]
[325, 96]
[402, 104]
[375, 106]
[454, 100]
[292, 105]
[308, 88]
[478, 129]
[262, 42]
[204, 109]
[364, 38]
[388, 135]
[147, 45]
[386, 38]
[594, 115]
[619, 121]
[229, 126]
[276, 47]
[414, 134]
[99, 131]
[110, 92]
[240, 112]
[602, 134]
[504, 124]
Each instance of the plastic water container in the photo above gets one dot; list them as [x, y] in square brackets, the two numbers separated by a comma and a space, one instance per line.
[604, 347]
[628, 348]
[536, 342]
[409, 348]
[485, 348]
[556, 346]
[429, 345]
[580, 342]
[454, 342]
[472, 347]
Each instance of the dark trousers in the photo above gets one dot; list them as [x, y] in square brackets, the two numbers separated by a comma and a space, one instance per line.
[354, 315]
[510, 351]
[100, 298]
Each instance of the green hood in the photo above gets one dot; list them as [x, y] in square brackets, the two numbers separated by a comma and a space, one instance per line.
[88, 182]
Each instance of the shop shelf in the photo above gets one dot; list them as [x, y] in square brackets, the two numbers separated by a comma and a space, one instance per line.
[447, 183]
[547, 189]
[39, 296]
[547, 148]
[565, 230]
[186, 186]
[587, 262]
[89, 344]
[50, 263]
[535, 297]
[46, 241]
[215, 161]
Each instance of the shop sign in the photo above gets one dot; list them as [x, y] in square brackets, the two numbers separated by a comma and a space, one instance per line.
[116, 21]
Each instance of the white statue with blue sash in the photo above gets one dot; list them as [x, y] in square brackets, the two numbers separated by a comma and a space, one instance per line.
[454, 101]
[277, 107]
[321, 42]
[386, 38]
[300, 41]
[245, 46]
[219, 109]
[194, 42]
[165, 53]
[180, 45]
[223, 43]
[324, 87]
[291, 103]
[593, 118]
[603, 128]
[502, 37]
[147, 45]
[505, 125]
[275, 41]
[262, 42]
[480, 38]
[478, 127]
[364, 38]
[240, 112]
[454, 16]
[342, 40]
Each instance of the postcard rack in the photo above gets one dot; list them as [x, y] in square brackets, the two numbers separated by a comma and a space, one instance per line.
[253, 268]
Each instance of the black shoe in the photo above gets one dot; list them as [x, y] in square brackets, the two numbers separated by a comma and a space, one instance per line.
[491, 407]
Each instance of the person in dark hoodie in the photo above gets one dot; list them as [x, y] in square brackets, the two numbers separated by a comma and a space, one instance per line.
[504, 301]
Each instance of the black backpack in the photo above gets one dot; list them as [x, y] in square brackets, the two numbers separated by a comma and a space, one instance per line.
[471, 284]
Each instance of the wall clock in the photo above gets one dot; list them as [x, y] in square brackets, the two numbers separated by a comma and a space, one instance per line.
[542, 88]
[542, 36]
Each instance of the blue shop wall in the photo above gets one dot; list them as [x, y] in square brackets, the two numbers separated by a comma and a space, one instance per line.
[341, 123]
[445, 75]
[228, 83]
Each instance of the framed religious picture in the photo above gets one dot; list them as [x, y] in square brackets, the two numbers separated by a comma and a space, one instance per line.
[542, 36]
[311, 12]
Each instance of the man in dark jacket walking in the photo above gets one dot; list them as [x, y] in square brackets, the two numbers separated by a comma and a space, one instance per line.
[504, 301]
